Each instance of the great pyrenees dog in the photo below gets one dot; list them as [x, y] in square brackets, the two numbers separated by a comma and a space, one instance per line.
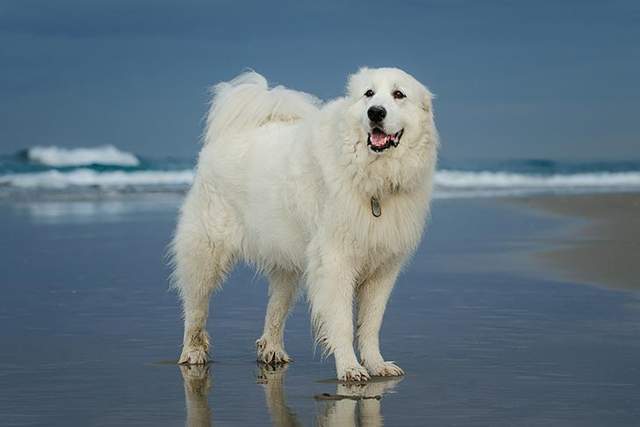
[331, 198]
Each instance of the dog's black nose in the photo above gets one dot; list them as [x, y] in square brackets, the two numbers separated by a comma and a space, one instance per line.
[376, 113]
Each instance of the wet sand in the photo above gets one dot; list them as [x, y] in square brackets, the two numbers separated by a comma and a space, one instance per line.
[604, 249]
[487, 332]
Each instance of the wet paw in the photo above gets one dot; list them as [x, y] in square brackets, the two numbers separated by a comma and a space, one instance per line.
[194, 348]
[385, 369]
[355, 373]
[271, 354]
[193, 356]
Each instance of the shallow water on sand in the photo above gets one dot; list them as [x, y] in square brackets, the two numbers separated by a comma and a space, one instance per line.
[89, 332]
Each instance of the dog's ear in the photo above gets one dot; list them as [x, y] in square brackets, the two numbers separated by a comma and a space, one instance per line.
[356, 81]
[427, 99]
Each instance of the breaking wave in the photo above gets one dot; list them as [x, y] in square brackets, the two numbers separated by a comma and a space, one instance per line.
[106, 155]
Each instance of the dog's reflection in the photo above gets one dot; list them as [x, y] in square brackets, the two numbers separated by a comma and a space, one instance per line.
[353, 404]
[272, 380]
[197, 384]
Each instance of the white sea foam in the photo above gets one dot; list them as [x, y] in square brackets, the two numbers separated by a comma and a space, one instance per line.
[54, 179]
[103, 155]
[449, 183]
[459, 180]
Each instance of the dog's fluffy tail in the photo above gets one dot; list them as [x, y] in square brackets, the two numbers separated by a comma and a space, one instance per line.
[246, 103]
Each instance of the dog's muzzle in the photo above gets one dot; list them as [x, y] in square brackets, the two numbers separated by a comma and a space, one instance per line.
[378, 140]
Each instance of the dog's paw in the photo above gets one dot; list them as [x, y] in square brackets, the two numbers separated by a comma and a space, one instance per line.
[195, 347]
[271, 354]
[193, 356]
[355, 373]
[385, 369]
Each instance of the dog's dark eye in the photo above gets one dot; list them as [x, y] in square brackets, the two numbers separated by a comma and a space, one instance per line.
[398, 95]
[369, 93]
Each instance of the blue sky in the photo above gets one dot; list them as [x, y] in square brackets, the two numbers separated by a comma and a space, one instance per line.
[514, 79]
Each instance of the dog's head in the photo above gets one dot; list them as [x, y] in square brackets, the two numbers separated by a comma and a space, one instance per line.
[389, 108]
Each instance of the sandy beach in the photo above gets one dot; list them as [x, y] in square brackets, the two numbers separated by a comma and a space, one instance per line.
[604, 248]
[505, 325]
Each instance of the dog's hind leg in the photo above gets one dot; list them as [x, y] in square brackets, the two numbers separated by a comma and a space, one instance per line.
[202, 255]
[283, 288]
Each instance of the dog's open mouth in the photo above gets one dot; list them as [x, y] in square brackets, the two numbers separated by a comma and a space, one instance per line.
[379, 141]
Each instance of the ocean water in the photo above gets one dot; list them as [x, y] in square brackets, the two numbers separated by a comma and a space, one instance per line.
[109, 170]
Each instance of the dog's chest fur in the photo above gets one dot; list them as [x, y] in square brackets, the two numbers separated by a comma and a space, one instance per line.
[394, 233]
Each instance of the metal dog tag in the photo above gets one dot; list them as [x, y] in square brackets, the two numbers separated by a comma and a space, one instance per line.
[376, 210]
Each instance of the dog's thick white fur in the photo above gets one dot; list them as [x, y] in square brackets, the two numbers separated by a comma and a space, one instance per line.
[291, 186]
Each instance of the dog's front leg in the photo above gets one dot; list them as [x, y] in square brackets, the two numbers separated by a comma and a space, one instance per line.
[331, 282]
[372, 299]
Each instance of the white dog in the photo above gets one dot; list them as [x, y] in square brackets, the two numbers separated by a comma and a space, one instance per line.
[333, 197]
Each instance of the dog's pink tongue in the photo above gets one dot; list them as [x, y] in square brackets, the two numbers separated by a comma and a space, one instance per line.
[379, 139]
